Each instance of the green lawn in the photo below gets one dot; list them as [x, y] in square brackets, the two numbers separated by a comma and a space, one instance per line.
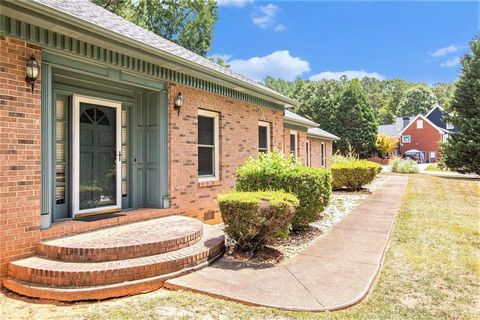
[434, 167]
[431, 271]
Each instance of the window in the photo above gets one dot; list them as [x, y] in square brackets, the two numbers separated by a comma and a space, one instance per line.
[450, 126]
[406, 139]
[307, 154]
[263, 137]
[419, 124]
[208, 164]
[322, 154]
[293, 143]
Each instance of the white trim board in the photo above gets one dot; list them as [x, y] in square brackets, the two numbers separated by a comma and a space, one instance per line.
[76, 153]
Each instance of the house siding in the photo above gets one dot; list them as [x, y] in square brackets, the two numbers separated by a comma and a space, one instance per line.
[20, 153]
[316, 151]
[426, 139]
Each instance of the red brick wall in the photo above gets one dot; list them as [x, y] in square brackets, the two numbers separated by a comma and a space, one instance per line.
[426, 139]
[316, 147]
[20, 176]
[238, 141]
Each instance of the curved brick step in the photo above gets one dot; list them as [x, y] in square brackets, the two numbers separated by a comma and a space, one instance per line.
[99, 292]
[43, 271]
[125, 242]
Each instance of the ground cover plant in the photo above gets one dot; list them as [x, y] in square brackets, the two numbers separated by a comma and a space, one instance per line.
[405, 166]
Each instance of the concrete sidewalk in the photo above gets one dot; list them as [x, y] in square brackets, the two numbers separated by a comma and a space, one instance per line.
[336, 271]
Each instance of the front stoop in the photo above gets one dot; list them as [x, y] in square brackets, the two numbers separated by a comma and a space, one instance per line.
[117, 261]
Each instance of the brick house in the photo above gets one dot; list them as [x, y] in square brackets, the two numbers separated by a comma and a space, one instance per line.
[120, 123]
[422, 137]
[303, 139]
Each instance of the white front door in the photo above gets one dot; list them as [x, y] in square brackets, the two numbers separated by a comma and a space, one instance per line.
[96, 156]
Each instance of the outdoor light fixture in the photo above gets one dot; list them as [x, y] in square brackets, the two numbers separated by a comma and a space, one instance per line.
[178, 102]
[32, 71]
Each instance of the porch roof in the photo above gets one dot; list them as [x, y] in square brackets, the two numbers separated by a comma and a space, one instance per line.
[95, 19]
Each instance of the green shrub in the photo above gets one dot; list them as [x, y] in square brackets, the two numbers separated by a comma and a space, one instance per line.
[405, 166]
[353, 175]
[253, 219]
[272, 171]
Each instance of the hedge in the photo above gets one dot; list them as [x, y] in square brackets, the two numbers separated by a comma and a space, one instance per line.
[405, 166]
[353, 175]
[253, 219]
[311, 186]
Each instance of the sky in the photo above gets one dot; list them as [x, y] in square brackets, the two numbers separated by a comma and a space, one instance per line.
[418, 41]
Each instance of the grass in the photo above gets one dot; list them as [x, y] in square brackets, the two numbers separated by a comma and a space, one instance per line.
[434, 167]
[431, 271]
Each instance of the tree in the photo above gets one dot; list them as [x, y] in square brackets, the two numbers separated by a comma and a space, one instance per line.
[318, 101]
[189, 23]
[417, 100]
[219, 61]
[281, 86]
[461, 152]
[354, 121]
[386, 144]
[444, 93]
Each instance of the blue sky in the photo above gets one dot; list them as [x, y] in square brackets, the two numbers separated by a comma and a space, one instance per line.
[415, 41]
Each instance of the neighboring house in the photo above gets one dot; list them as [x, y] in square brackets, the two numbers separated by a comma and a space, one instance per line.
[423, 135]
[394, 129]
[120, 119]
[307, 142]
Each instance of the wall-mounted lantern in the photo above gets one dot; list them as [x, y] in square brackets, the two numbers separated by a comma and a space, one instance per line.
[32, 70]
[178, 102]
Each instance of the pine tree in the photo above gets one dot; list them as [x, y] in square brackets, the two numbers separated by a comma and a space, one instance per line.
[354, 121]
[461, 152]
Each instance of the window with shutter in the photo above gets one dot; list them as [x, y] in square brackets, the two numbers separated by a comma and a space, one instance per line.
[293, 143]
[207, 145]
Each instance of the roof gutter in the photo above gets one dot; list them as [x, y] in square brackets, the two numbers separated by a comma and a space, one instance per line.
[64, 17]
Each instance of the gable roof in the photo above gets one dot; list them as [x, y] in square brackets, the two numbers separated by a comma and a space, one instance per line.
[84, 16]
[440, 130]
[296, 119]
[394, 129]
[319, 133]
[436, 116]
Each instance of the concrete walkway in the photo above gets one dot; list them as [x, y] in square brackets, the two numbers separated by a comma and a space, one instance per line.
[336, 271]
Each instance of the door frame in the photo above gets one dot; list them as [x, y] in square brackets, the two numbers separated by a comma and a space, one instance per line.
[76, 100]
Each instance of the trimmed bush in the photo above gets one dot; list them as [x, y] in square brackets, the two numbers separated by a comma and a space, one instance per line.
[405, 166]
[353, 175]
[253, 219]
[272, 171]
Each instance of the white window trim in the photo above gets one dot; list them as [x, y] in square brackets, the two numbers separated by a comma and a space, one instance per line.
[449, 126]
[409, 138]
[419, 124]
[295, 133]
[323, 156]
[308, 154]
[216, 139]
[266, 125]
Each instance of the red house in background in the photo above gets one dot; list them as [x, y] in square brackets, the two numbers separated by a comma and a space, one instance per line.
[422, 138]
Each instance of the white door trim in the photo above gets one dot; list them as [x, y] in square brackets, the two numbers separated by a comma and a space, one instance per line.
[76, 153]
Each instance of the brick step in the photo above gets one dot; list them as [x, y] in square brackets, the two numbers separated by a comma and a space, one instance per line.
[43, 271]
[98, 292]
[125, 242]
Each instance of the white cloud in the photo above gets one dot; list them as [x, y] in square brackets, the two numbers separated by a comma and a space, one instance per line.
[278, 64]
[265, 17]
[350, 74]
[444, 51]
[279, 27]
[224, 57]
[450, 63]
[233, 3]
